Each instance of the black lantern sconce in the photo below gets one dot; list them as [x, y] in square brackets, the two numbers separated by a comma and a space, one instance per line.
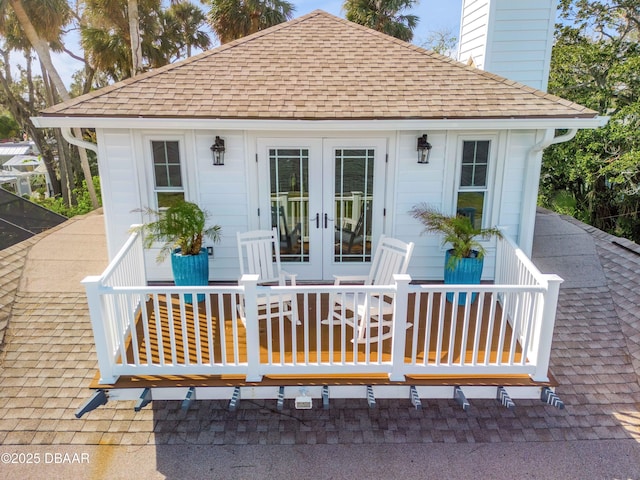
[424, 149]
[218, 151]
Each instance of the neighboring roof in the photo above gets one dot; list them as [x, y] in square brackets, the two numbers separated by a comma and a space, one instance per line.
[319, 67]
[23, 161]
[11, 149]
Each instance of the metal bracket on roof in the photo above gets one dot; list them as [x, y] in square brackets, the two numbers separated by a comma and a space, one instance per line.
[280, 404]
[189, 397]
[504, 399]
[144, 400]
[235, 399]
[415, 398]
[325, 397]
[371, 399]
[551, 398]
[459, 397]
[98, 398]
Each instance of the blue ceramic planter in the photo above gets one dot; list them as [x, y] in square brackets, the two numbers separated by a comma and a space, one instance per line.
[468, 271]
[190, 270]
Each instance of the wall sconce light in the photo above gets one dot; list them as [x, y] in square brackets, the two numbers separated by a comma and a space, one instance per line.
[424, 149]
[218, 151]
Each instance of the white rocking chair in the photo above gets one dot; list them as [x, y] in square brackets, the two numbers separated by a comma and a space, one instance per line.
[365, 312]
[256, 250]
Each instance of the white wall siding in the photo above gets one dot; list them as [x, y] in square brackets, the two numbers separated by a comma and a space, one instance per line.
[222, 190]
[520, 143]
[417, 183]
[518, 38]
[473, 31]
[120, 193]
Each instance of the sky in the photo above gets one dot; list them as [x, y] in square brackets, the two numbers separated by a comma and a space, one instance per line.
[434, 15]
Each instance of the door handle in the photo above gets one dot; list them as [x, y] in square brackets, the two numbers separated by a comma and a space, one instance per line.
[326, 220]
[317, 220]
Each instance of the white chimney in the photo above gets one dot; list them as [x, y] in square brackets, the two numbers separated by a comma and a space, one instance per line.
[511, 38]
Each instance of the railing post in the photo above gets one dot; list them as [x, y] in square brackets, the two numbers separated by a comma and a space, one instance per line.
[101, 334]
[249, 283]
[545, 328]
[399, 326]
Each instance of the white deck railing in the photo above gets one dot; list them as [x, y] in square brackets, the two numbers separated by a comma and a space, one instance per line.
[507, 330]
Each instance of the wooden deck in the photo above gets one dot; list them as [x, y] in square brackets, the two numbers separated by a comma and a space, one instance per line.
[288, 341]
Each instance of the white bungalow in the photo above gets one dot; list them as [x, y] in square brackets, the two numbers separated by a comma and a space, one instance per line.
[321, 121]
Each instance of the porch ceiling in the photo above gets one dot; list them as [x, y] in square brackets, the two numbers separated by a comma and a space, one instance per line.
[319, 67]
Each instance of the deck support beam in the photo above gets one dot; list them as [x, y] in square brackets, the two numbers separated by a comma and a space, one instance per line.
[144, 400]
[235, 399]
[189, 397]
[325, 397]
[371, 399]
[458, 396]
[415, 398]
[551, 398]
[504, 399]
[98, 398]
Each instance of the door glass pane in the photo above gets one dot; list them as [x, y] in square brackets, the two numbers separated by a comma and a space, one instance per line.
[353, 204]
[289, 170]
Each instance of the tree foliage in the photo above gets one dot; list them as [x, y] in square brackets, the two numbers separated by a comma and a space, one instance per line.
[386, 16]
[596, 62]
[233, 19]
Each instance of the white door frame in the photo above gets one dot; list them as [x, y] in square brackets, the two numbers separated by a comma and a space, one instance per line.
[321, 235]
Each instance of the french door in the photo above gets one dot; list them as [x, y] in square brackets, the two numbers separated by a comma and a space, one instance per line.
[326, 198]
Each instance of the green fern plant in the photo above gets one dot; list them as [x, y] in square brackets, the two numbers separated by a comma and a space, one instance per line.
[182, 225]
[457, 230]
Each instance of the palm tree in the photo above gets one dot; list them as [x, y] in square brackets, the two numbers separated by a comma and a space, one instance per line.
[184, 22]
[108, 32]
[232, 19]
[50, 16]
[384, 16]
[134, 34]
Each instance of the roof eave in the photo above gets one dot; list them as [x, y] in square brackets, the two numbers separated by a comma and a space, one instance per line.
[387, 124]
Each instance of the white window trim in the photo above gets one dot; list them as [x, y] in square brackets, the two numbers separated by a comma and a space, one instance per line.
[148, 165]
[489, 189]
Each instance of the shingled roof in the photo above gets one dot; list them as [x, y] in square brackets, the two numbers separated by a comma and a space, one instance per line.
[319, 67]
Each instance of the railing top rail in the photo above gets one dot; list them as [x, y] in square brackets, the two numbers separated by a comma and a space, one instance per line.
[330, 289]
[440, 288]
[115, 263]
[524, 259]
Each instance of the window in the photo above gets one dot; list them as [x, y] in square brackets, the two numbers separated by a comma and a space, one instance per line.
[168, 186]
[472, 191]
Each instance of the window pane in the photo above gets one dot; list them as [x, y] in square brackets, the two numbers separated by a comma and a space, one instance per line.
[480, 176]
[166, 199]
[354, 170]
[471, 204]
[468, 152]
[173, 156]
[482, 151]
[289, 177]
[161, 176]
[175, 179]
[466, 178]
[159, 156]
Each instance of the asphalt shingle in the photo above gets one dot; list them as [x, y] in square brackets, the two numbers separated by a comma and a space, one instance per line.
[319, 67]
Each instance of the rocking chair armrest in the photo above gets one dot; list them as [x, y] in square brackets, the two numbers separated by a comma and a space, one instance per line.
[292, 276]
[339, 279]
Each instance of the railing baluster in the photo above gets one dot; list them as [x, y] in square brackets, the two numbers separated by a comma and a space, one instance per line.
[172, 330]
[158, 322]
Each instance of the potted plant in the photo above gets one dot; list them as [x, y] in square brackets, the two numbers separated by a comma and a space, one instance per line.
[465, 259]
[181, 229]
